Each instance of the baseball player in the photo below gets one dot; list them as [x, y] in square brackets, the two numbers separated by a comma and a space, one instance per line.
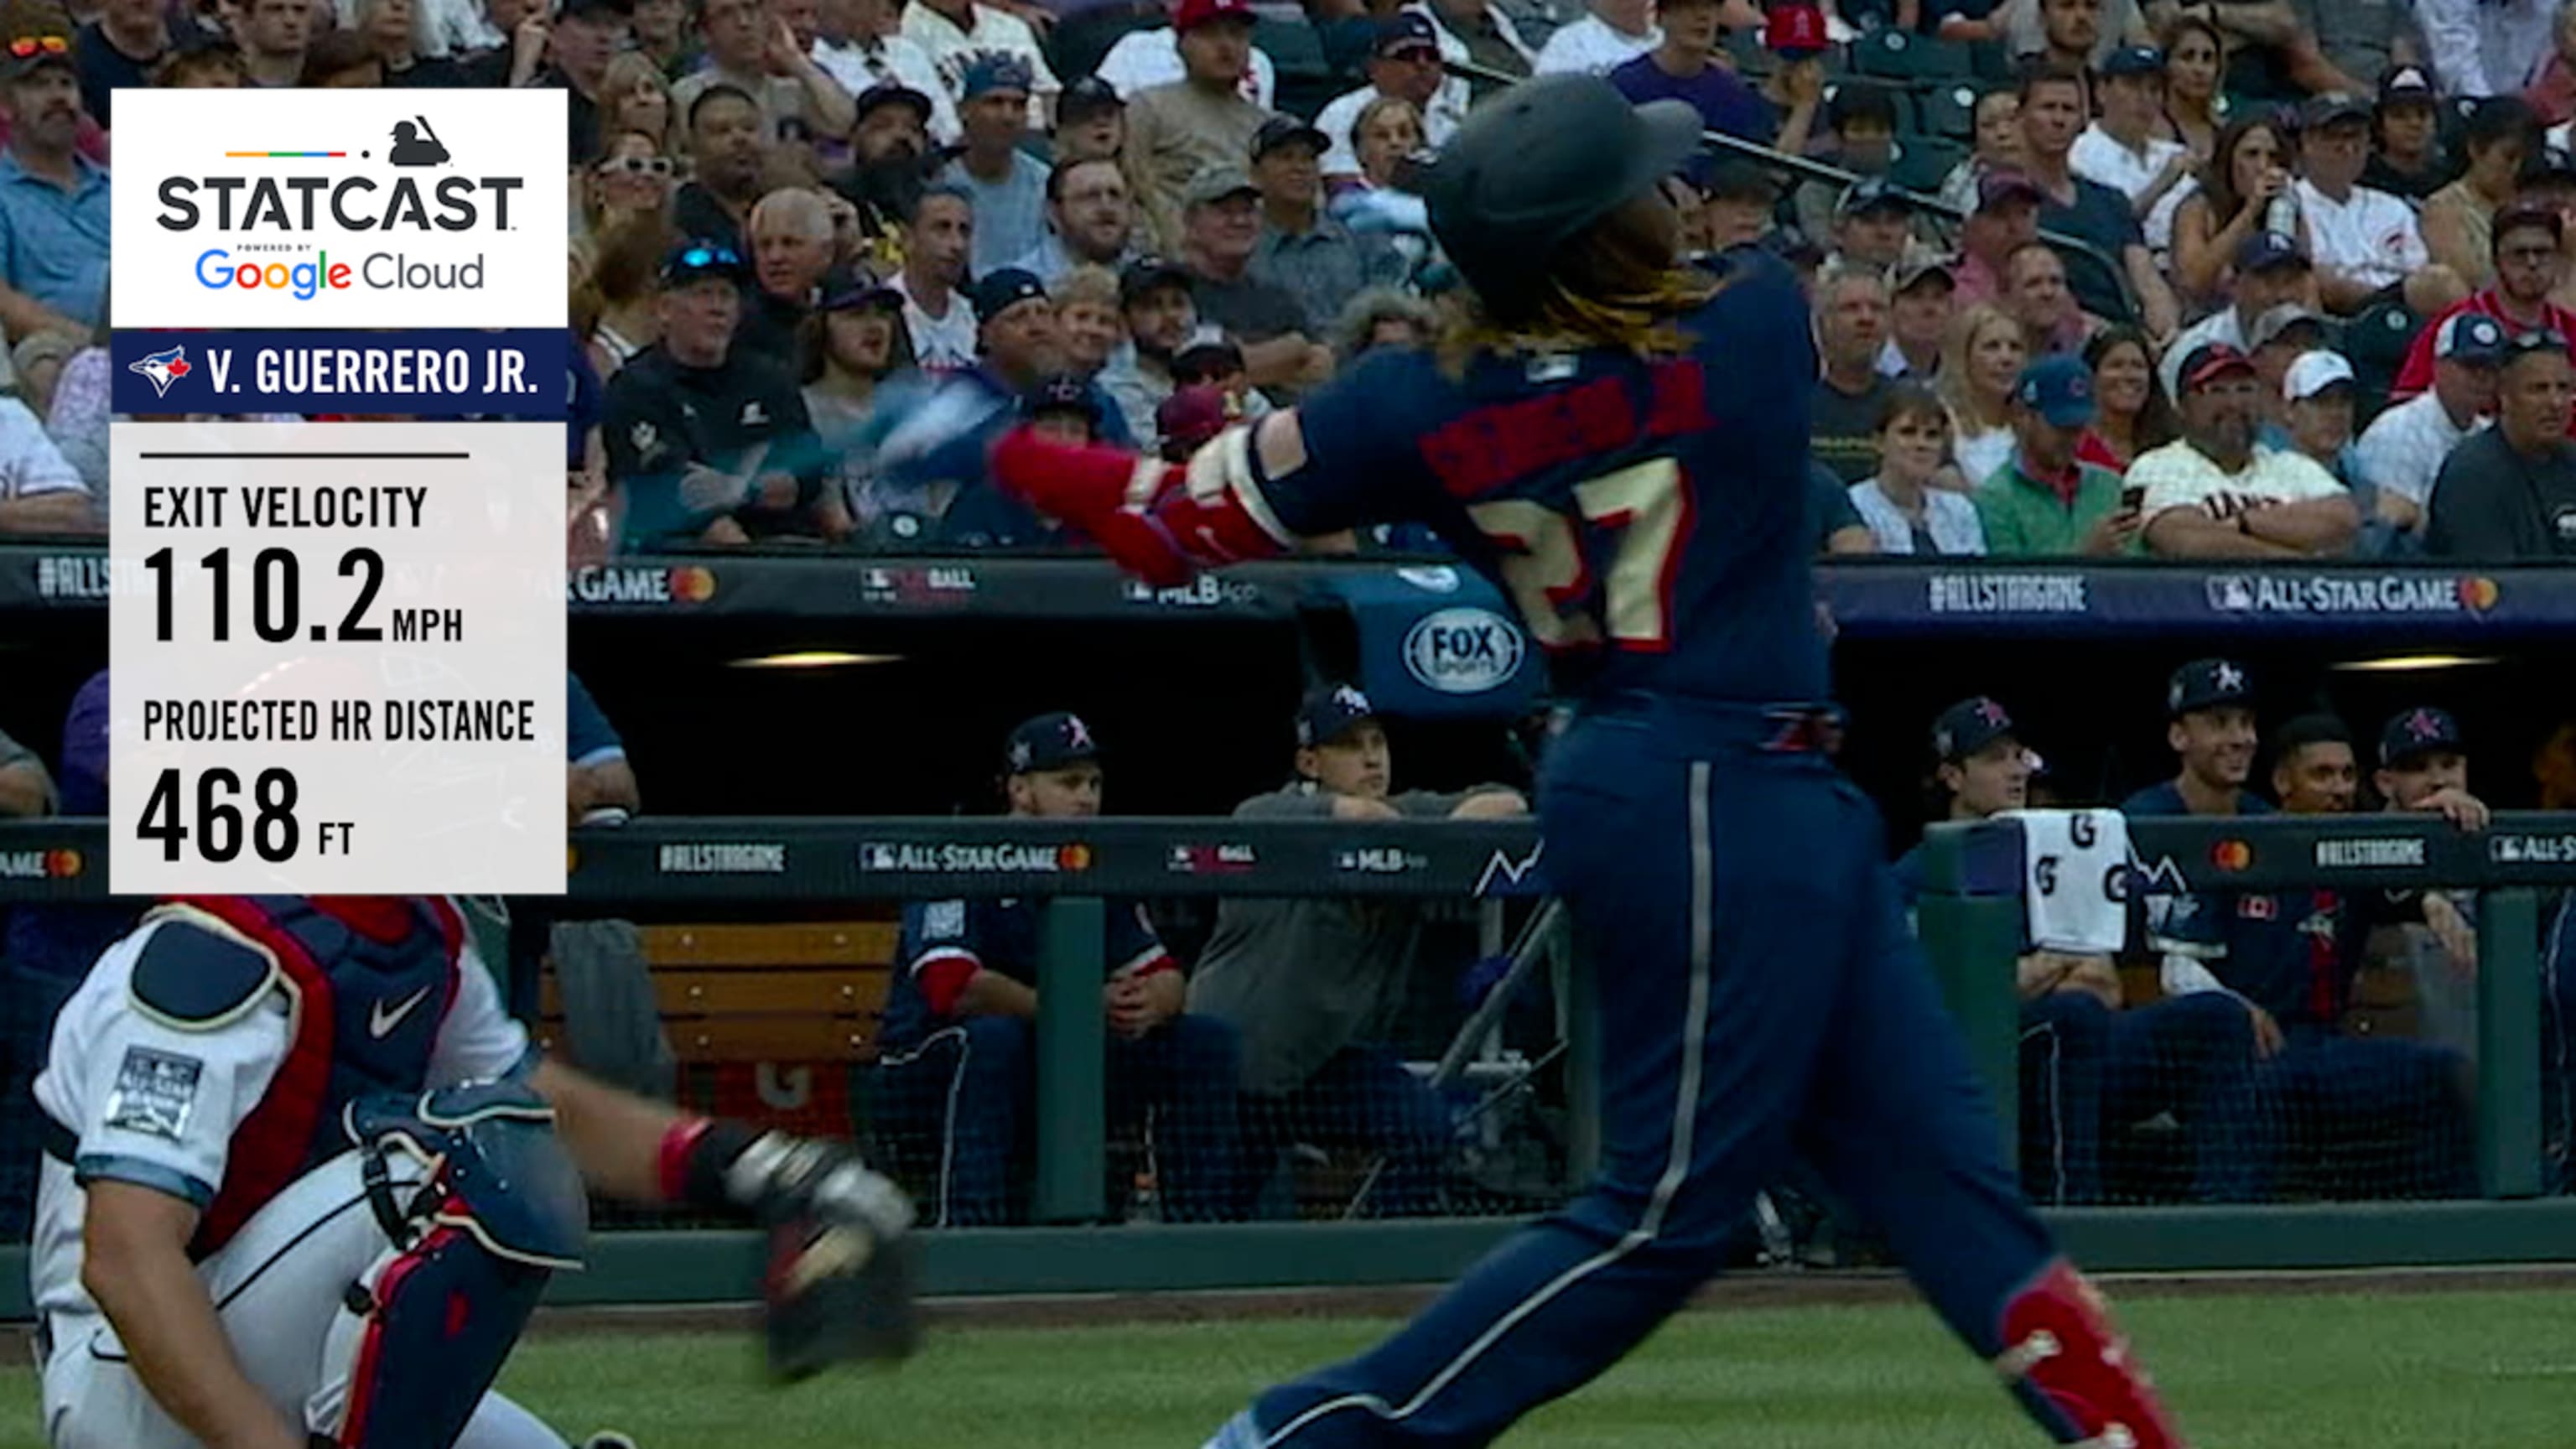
[1621, 440]
[305, 1180]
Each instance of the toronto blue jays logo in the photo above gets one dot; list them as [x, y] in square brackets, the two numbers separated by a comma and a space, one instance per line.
[164, 368]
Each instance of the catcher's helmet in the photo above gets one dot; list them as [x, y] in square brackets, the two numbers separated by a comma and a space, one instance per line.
[1540, 162]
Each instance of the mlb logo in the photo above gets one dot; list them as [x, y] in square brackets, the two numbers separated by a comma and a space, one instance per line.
[2256, 908]
[876, 857]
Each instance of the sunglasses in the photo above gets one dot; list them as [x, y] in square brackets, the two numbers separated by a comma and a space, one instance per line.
[26, 46]
[636, 166]
[2538, 339]
[703, 257]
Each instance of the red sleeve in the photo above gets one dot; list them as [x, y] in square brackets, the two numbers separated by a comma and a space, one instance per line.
[2417, 373]
[1160, 521]
[942, 977]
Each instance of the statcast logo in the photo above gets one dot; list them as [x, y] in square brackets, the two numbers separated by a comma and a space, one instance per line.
[261, 211]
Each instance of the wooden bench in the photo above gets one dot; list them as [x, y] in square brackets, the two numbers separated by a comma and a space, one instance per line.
[805, 993]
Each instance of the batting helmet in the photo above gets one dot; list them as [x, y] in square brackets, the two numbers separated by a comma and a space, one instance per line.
[1537, 164]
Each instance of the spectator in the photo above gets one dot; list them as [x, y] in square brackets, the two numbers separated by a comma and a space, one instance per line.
[1387, 136]
[1154, 297]
[1007, 186]
[2527, 258]
[77, 420]
[2271, 271]
[342, 60]
[53, 200]
[1310, 254]
[2006, 219]
[936, 242]
[633, 96]
[2135, 414]
[38, 361]
[2552, 92]
[860, 45]
[2121, 150]
[1871, 225]
[960, 1032]
[1090, 221]
[1981, 365]
[711, 446]
[1905, 513]
[792, 247]
[2403, 450]
[2215, 494]
[1737, 203]
[2459, 219]
[1481, 32]
[1609, 34]
[2282, 336]
[2052, 112]
[2087, 1066]
[2272, 55]
[851, 345]
[2482, 50]
[121, 47]
[1064, 409]
[1021, 350]
[1177, 131]
[890, 165]
[1382, 317]
[752, 51]
[1684, 66]
[727, 145]
[1091, 122]
[630, 188]
[40, 491]
[2359, 39]
[2318, 391]
[2509, 493]
[273, 35]
[1221, 231]
[1795, 88]
[1995, 146]
[2195, 62]
[1851, 394]
[1404, 63]
[2235, 207]
[1210, 358]
[2037, 296]
[2407, 158]
[26, 789]
[1918, 318]
[1316, 987]
[626, 271]
[2367, 247]
[217, 67]
[1152, 57]
[948, 31]
[585, 36]
[1086, 312]
[1840, 530]
[2044, 500]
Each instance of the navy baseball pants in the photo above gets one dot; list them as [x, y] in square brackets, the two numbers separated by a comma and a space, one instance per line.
[2088, 1071]
[1760, 996]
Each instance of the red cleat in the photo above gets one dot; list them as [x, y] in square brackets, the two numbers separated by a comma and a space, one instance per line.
[2060, 1344]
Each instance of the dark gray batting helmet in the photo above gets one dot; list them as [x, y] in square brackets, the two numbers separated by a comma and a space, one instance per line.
[1535, 165]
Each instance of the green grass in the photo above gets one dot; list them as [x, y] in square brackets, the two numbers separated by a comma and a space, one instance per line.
[2256, 1371]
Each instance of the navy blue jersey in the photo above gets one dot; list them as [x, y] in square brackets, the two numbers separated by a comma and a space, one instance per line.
[1649, 519]
[991, 935]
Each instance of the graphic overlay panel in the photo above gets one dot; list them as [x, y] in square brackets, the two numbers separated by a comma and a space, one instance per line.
[339, 208]
[338, 654]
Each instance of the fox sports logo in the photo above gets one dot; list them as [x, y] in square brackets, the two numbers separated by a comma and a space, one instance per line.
[1463, 651]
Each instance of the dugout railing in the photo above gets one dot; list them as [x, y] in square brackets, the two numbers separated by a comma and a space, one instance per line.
[1971, 921]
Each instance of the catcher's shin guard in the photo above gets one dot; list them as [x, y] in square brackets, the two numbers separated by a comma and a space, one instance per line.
[425, 1334]
[2072, 1370]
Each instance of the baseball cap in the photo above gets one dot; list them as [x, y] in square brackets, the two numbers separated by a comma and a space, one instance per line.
[596, 9]
[1062, 392]
[2333, 106]
[1406, 30]
[2211, 361]
[1870, 193]
[1281, 131]
[2135, 60]
[1086, 98]
[1145, 274]
[2470, 337]
[1003, 288]
[1969, 726]
[1191, 14]
[1915, 272]
[2002, 184]
[1216, 182]
[846, 289]
[1206, 353]
[2207, 684]
[891, 93]
[2267, 250]
[2059, 389]
[1328, 713]
[1733, 178]
[988, 72]
[2517, 217]
[1049, 742]
[1192, 415]
[2405, 85]
[2313, 373]
[693, 261]
[2269, 327]
[1796, 31]
[2419, 731]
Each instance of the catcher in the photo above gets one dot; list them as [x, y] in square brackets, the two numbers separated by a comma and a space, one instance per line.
[306, 1179]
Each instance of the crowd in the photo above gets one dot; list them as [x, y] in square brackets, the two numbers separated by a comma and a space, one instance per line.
[2270, 278]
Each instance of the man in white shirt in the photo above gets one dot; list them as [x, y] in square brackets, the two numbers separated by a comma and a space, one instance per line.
[1144, 58]
[2367, 244]
[1614, 33]
[2121, 149]
[2486, 48]
[1404, 64]
[949, 30]
[936, 243]
[1008, 185]
[2213, 494]
[2402, 450]
[857, 43]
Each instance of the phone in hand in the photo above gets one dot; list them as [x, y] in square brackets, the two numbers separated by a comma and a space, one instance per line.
[2133, 497]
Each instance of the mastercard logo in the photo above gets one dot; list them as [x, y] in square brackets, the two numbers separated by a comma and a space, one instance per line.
[572, 859]
[693, 585]
[2231, 855]
[1074, 857]
[2479, 594]
[62, 864]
